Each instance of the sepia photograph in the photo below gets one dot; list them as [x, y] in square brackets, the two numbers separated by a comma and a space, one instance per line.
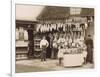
[53, 38]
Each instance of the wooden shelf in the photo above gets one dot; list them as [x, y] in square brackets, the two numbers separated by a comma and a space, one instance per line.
[37, 49]
[21, 44]
[37, 44]
[22, 52]
[21, 58]
[37, 39]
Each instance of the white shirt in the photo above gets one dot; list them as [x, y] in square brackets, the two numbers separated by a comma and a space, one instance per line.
[44, 43]
[61, 40]
[61, 53]
[86, 25]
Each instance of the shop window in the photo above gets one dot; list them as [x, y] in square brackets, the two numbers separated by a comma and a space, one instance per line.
[21, 33]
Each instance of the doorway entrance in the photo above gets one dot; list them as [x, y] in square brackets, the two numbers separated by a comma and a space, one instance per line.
[48, 54]
[31, 43]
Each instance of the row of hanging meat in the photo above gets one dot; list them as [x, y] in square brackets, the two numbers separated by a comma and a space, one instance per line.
[61, 27]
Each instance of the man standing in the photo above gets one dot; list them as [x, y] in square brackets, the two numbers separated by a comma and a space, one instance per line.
[43, 45]
[89, 43]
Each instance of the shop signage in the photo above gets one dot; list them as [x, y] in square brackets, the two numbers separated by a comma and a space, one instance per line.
[76, 20]
[75, 11]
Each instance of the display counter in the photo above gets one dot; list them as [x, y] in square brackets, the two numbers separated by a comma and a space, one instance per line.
[76, 57]
[73, 60]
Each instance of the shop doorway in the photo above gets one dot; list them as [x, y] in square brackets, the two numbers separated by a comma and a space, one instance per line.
[31, 44]
[30, 35]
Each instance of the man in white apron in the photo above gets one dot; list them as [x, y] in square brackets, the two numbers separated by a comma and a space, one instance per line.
[43, 45]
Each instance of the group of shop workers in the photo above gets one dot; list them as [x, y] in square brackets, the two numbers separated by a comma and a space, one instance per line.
[55, 49]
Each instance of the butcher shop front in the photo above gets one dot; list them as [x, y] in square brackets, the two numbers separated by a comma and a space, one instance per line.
[64, 28]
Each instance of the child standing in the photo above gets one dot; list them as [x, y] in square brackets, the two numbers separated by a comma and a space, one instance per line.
[61, 54]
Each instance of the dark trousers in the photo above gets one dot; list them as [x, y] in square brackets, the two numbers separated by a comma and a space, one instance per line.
[54, 53]
[89, 55]
[60, 61]
[43, 54]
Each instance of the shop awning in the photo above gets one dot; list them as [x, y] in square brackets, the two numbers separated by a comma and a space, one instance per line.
[54, 12]
[25, 24]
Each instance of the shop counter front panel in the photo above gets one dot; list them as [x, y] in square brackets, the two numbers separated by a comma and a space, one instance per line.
[73, 60]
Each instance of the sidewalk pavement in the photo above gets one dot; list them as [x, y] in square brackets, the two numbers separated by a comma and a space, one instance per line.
[36, 65]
